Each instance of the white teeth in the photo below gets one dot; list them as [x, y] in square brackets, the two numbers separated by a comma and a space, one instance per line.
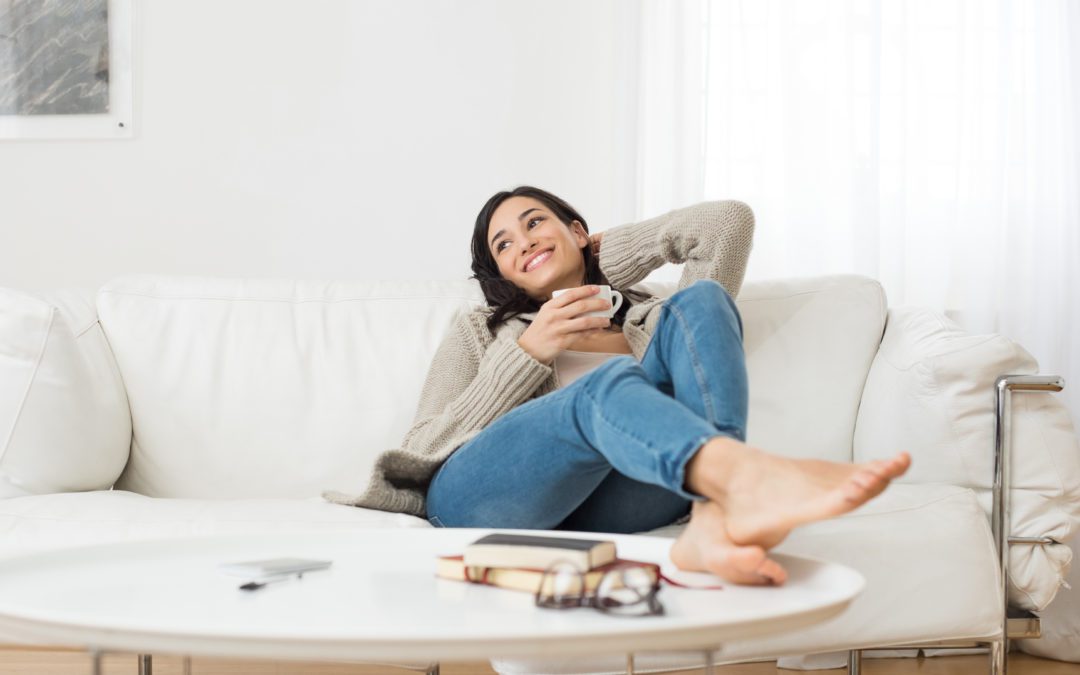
[537, 260]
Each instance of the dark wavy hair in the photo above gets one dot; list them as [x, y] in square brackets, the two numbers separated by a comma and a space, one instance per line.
[507, 299]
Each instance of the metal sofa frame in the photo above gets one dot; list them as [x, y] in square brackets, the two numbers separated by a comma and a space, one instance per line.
[1015, 623]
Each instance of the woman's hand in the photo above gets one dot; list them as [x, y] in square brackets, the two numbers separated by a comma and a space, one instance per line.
[594, 241]
[558, 323]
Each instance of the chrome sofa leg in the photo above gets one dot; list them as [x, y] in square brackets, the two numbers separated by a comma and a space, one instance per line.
[95, 661]
[854, 662]
[146, 664]
[433, 669]
[999, 655]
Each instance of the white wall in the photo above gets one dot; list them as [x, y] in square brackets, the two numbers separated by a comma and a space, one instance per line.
[329, 139]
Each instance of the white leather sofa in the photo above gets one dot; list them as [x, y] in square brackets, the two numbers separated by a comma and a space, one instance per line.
[162, 407]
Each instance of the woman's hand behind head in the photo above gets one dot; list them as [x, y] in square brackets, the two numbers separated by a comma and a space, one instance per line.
[594, 241]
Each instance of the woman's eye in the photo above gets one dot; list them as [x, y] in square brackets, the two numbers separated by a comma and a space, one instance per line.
[499, 247]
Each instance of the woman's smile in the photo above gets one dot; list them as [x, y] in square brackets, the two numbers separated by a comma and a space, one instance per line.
[538, 259]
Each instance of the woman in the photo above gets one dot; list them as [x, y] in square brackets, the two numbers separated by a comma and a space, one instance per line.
[536, 416]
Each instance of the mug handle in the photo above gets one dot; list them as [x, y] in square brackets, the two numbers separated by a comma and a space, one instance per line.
[616, 301]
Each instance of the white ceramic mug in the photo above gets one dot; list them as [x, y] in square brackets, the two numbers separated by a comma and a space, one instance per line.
[607, 293]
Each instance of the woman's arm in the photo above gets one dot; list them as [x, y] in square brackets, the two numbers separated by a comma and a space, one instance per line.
[712, 239]
[468, 386]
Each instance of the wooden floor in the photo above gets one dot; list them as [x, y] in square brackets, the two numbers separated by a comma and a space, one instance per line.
[21, 661]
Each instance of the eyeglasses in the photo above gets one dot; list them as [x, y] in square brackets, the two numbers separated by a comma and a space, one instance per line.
[622, 590]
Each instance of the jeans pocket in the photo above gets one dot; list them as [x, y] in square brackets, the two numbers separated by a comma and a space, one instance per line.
[434, 520]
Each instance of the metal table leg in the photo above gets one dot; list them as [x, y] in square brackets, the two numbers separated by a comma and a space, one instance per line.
[710, 669]
[854, 662]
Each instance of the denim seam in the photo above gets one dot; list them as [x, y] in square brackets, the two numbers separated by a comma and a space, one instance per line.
[699, 374]
[728, 429]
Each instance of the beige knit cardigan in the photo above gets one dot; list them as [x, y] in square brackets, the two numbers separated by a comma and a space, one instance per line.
[476, 377]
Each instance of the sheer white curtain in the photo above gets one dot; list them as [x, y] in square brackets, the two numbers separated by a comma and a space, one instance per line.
[930, 144]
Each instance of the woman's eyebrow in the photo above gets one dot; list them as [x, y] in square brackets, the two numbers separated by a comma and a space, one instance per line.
[502, 232]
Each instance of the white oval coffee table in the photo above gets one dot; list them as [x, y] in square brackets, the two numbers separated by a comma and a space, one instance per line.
[380, 601]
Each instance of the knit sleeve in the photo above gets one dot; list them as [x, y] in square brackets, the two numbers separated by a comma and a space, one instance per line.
[469, 385]
[713, 240]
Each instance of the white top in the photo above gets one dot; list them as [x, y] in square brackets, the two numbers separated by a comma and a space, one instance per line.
[380, 599]
[570, 365]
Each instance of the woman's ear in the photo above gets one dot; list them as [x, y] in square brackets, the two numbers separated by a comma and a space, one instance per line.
[580, 235]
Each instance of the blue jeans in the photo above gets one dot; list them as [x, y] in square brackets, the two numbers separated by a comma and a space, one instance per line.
[608, 453]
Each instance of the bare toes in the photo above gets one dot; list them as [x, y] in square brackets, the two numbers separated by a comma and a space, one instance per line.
[888, 469]
[747, 565]
[863, 486]
[898, 465]
[871, 481]
[773, 571]
[881, 467]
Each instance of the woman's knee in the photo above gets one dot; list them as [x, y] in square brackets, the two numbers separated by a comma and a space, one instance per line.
[704, 292]
[707, 295]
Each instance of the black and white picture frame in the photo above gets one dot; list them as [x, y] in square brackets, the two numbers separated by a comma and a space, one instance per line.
[66, 69]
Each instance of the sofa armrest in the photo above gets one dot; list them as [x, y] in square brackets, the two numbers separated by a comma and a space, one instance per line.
[65, 425]
[931, 391]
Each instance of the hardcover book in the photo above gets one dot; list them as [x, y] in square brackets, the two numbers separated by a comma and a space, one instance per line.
[525, 579]
[534, 552]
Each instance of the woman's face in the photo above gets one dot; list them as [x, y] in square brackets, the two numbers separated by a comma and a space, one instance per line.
[534, 249]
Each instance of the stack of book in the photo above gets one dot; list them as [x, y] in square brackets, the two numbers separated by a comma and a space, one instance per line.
[518, 562]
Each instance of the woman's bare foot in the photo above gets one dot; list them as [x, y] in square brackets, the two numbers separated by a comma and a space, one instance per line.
[705, 547]
[764, 496]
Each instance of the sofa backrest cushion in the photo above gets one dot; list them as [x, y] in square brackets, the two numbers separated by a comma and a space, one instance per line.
[64, 421]
[269, 388]
[809, 344]
[243, 388]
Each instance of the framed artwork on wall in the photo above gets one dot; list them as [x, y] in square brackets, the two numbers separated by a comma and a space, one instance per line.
[66, 69]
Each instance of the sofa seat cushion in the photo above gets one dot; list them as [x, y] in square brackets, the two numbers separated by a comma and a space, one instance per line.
[809, 344]
[41, 522]
[929, 562]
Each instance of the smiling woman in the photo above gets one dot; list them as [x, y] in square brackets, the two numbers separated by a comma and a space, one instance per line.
[514, 230]
[651, 427]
